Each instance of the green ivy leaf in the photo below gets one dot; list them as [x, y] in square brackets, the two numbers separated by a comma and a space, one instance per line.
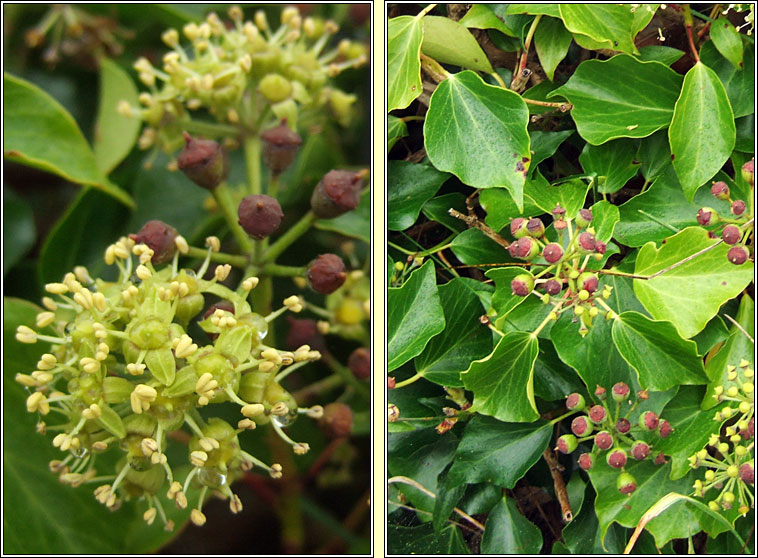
[482, 16]
[409, 186]
[404, 36]
[501, 208]
[478, 132]
[448, 496]
[738, 82]
[553, 379]
[502, 382]
[415, 316]
[654, 155]
[727, 41]
[552, 42]
[498, 452]
[396, 129]
[605, 216]
[663, 54]
[464, 338]
[473, 247]
[613, 163]
[606, 107]
[449, 42]
[533, 9]
[509, 532]
[503, 301]
[690, 294]
[19, 232]
[610, 24]
[570, 194]
[583, 536]
[702, 131]
[38, 132]
[423, 539]
[437, 209]
[545, 144]
[651, 346]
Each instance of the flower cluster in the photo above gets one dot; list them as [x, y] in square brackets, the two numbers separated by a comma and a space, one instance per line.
[729, 455]
[737, 230]
[123, 372]
[612, 432]
[245, 74]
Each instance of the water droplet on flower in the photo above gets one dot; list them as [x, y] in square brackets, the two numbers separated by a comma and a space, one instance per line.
[211, 478]
[285, 420]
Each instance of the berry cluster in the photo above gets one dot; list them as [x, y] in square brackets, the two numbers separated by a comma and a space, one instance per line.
[737, 230]
[729, 456]
[613, 433]
[571, 286]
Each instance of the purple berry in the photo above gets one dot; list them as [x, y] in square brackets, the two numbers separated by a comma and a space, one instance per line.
[731, 234]
[600, 247]
[552, 287]
[616, 458]
[558, 212]
[738, 255]
[535, 227]
[526, 248]
[585, 461]
[518, 227]
[326, 273]
[620, 392]
[603, 440]
[575, 402]
[584, 218]
[707, 216]
[747, 473]
[720, 190]
[649, 421]
[566, 443]
[338, 192]
[552, 252]
[626, 483]
[640, 450]
[587, 281]
[581, 426]
[359, 363]
[623, 426]
[587, 242]
[280, 145]
[160, 238]
[204, 162]
[337, 420]
[260, 215]
[665, 429]
[738, 207]
[660, 459]
[522, 285]
[597, 414]
[748, 172]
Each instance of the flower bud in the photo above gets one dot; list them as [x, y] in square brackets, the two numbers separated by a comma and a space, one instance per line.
[280, 145]
[522, 284]
[597, 414]
[648, 421]
[581, 426]
[260, 215]
[275, 88]
[552, 287]
[552, 252]
[620, 392]
[616, 458]
[640, 450]
[587, 243]
[159, 237]
[558, 212]
[626, 483]
[585, 461]
[707, 216]
[338, 192]
[623, 426]
[738, 255]
[731, 234]
[603, 440]
[566, 443]
[665, 429]
[575, 402]
[535, 227]
[519, 227]
[587, 281]
[359, 363]
[720, 190]
[204, 162]
[326, 273]
[337, 420]
[748, 172]
[584, 218]
[738, 207]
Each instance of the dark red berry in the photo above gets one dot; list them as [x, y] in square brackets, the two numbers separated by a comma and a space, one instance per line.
[359, 363]
[566, 443]
[160, 238]
[626, 483]
[552, 252]
[585, 461]
[581, 426]
[623, 426]
[260, 215]
[616, 458]
[600, 247]
[707, 216]
[390, 383]
[660, 459]
[552, 287]
[748, 172]
[326, 273]
[522, 285]
[526, 248]
[301, 332]
[518, 227]
[575, 402]
[338, 192]
[535, 227]
[640, 450]
[280, 145]
[665, 429]
[558, 212]
[738, 255]
[587, 242]
[720, 190]
[747, 473]
[337, 421]
[204, 162]
[597, 414]
[620, 392]
[649, 421]
[584, 218]
[731, 234]
[587, 281]
[603, 440]
[738, 207]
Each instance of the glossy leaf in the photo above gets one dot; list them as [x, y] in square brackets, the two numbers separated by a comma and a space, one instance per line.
[501, 208]
[552, 42]
[570, 194]
[502, 382]
[738, 82]
[473, 247]
[665, 55]
[503, 301]
[553, 379]
[605, 216]
[583, 536]
[545, 144]
[19, 232]
[613, 163]
[651, 346]
[534, 9]
[715, 332]
[481, 16]
[610, 24]
[509, 532]
[396, 130]
[115, 134]
[478, 132]
[464, 338]
[654, 155]
[404, 36]
[690, 294]
[448, 495]
[422, 539]
[38, 132]
[702, 132]
[727, 41]
[449, 42]
[408, 327]
[437, 209]
[607, 105]
[498, 452]
[409, 187]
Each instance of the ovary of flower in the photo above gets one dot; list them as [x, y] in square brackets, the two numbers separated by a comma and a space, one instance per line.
[143, 272]
[198, 458]
[90, 365]
[250, 283]
[26, 334]
[181, 244]
[208, 444]
[93, 412]
[44, 319]
[252, 410]
[56, 288]
[222, 271]
[185, 347]
[37, 402]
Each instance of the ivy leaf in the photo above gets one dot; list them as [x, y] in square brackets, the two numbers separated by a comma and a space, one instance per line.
[38, 132]
[478, 132]
[738, 82]
[404, 36]
[583, 536]
[473, 247]
[502, 382]
[396, 129]
[464, 338]
[409, 187]
[552, 42]
[727, 40]
[501, 208]
[570, 195]
[605, 215]
[448, 495]
[606, 106]
[665, 55]
[690, 294]
[423, 539]
[437, 209]
[654, 155]
[702, 132]
[19, 232]
[415, 316]
[498, 452]
[533, 9]
[509, 532]
[610, 24]
[481, 16]
[503, 301]
[613, 163]
[651, 346]
[545, 144]
[449, 42]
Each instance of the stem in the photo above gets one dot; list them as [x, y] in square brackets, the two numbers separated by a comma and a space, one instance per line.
[558, 485]
[472, 221]
[210, 128]
[499, 80]
[284, 270]
[410, 380]
[224, 200]
[536, 332]
[220, 257]
[294, 232]
[426, 10]
[563, 107]
[252, 146]
[738, 326]
[687, 15]
[521, 74]
[273, 185]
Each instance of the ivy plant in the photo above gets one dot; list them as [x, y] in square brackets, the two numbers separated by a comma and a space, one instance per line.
[571, 278]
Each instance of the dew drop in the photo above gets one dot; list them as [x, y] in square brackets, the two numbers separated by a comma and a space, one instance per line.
[212, 478]
[285, 420]
[80, 452]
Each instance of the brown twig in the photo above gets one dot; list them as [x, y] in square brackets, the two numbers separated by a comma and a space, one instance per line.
[687, 14]
[473, 221]
[559, 485]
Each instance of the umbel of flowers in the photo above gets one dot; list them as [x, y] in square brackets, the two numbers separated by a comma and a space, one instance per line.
[122, 373]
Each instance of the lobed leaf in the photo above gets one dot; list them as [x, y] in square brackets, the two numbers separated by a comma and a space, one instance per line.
[509, 532]
[409, 187]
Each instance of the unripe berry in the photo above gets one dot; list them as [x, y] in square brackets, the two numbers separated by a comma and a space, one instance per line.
[558, 213]
[584, 218]
[626, 483]
[620, 392]
[585, 461]
[640, 450]
[522, 285]
[649, 421]
[660, 459]
[160, 238]
[526, 248]
[600, 392]
[587, 281]
[552, 252]
[575, 402]
[747, 473]
[260, 215]
[581, 426]
[603, 440]
[280, 145]
[326, 273]
[707, 216]
[337, 420]
[338, 192]
[600, 247]
[204, 162]
[616, 458]
[665, 429]
[748, 172]
[359, 363]
[535, 227]
[731, 234]
[738, 207]
[587, 242]
[597, 414]
[738, 255]
[519, 227]
[566, 443]
[720, 190]
[623, 426]
[552, 287]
